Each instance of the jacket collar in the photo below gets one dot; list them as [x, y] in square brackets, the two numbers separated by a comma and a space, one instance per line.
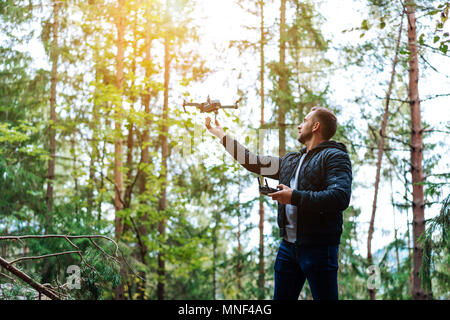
[327, 144]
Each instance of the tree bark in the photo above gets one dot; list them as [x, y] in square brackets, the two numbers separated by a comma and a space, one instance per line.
[214, 240]
[54, 56]
[239, 266]
[47, 268]
[75, 174]
[163, 175]
[261, 279]
[372, 292]
[118, 153]
[145, 159]
[91, 183]
[282, 82]
[418, 203]
[130, 137]
[94, 150]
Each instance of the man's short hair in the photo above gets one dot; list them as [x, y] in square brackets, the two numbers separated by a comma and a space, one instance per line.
[327, 121]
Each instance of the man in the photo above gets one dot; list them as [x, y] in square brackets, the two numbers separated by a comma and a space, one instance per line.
[315, 188]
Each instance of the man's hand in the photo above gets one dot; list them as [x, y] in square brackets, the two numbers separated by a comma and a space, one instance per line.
[283, 196]
[217, 130]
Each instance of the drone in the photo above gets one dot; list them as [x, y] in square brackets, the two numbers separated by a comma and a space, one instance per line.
[210, 105]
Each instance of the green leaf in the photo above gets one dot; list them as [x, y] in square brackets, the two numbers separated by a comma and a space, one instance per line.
[436, 39]
[382, 25]
[365, 25]
[403, 51]
[421, 41]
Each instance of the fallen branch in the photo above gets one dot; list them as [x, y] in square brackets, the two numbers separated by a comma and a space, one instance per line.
[48, 290]
[27, 279]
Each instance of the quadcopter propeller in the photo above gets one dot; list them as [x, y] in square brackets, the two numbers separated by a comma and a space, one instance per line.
[210, 105]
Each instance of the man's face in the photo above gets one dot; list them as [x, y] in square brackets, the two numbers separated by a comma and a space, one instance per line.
[305, 129]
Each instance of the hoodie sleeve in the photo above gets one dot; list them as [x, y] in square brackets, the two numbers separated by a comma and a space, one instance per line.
[266, 166]
[337, 192]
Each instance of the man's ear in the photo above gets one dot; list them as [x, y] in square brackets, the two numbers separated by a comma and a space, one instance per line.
[316, 126]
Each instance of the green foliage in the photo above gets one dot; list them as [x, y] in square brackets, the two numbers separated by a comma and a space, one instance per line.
[209, 219]
[440, 35]
[105, 276]
[436, 244]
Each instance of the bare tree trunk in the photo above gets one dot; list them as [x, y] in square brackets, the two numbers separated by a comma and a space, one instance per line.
[214, 240]
[261, 280]
[163, 175]
[145, 160]
[416, 153]
[282, 82]
[118, 153]
[75, 174]
[91, 183]
[372, 292]
[93, 154]
[52, 133]
[239, 265]
[129, 164]
[130, 138]
[47, 268]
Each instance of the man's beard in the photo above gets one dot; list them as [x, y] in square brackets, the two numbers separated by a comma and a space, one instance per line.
[303, 137]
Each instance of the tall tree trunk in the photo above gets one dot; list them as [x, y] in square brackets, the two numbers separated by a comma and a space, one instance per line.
[48, 268]
[239, 265]
[163, 175]
[118, 153]
[145, 160]
[214, 240]
[94, 151]
[129, 164]
[75, 174]
[130, 137]
[418, 203]
[54, 56]
[282, 82]
[372, 292]
[91, 183]
[261, 280]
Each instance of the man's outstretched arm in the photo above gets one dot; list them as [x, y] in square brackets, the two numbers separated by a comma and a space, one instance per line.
[266, 166]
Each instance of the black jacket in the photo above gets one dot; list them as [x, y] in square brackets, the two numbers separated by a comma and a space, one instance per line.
[322, 193]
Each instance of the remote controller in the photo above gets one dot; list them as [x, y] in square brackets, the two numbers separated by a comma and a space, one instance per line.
[265, 190]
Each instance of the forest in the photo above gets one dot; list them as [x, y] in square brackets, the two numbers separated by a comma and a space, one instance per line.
[111, 186]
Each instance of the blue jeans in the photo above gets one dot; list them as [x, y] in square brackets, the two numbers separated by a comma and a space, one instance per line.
[316, 263]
